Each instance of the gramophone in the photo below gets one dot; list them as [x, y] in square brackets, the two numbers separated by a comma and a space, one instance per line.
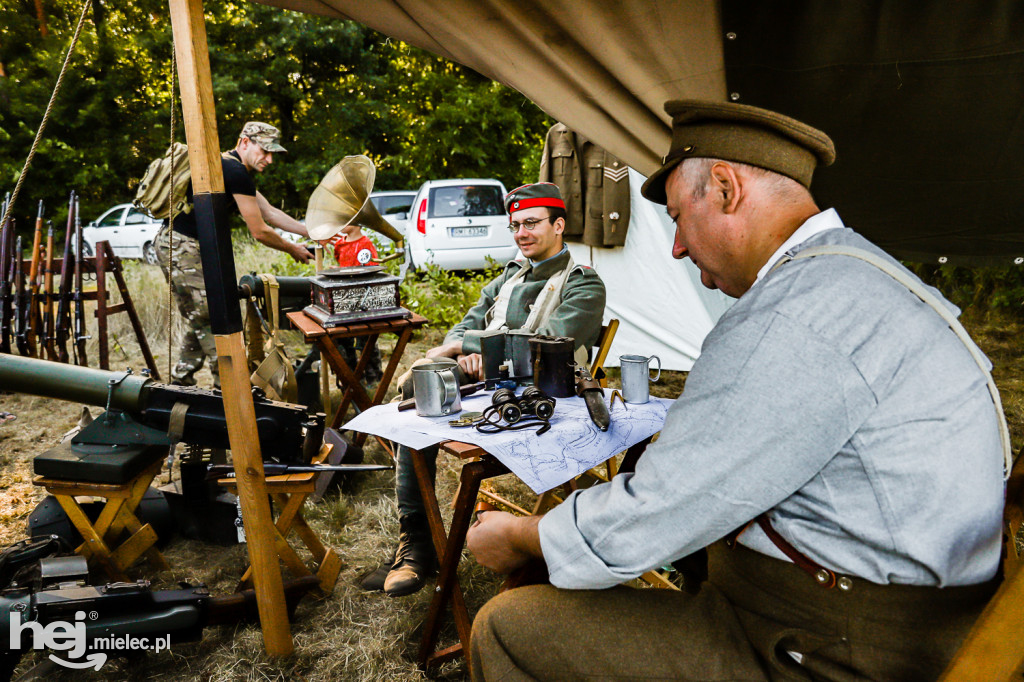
[353, 294]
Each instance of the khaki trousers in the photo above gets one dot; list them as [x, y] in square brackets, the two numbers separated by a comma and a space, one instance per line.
[746, 624]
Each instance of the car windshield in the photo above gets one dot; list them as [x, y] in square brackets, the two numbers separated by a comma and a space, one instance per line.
[465, 200]
[389, 205]
[112, 219]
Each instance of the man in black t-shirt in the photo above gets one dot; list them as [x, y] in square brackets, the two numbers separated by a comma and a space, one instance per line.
[257, 144]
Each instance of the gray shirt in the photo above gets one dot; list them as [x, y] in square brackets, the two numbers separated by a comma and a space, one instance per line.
[833, 397]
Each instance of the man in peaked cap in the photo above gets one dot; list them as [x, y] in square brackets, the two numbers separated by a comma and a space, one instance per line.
[836, 430]
[254, 151]
[519, 298]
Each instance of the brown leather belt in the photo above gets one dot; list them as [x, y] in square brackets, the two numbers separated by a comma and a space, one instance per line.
[822, 576]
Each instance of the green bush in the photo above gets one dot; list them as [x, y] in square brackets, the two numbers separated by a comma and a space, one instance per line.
[442, 296]
[977, 290]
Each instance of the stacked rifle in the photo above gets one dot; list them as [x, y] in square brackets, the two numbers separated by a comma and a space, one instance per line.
[35, 319]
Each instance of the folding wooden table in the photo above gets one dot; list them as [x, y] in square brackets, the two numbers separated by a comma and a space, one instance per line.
[312, 332]
[478, 466]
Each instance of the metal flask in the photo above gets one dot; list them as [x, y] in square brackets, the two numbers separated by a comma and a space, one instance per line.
[435, 388]
[554, 369]
[636, 374]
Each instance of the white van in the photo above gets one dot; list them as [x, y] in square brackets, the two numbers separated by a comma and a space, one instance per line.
[459, 224]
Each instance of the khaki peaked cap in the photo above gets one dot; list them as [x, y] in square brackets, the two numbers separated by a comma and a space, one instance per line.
[741, 133]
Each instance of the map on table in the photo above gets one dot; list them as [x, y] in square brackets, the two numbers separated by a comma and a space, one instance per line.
[572, 446]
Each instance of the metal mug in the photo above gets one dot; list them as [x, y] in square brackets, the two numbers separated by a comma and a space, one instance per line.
[435, 387]
[636, 374]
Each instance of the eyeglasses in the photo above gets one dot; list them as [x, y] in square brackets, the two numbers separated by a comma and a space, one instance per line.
[529, 224]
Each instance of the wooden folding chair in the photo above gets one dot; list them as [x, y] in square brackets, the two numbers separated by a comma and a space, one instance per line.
[117, 539]
[993, 649]
[289, 493]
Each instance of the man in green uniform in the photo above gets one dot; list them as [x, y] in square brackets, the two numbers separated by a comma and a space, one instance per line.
[257, 144]
[546, 293]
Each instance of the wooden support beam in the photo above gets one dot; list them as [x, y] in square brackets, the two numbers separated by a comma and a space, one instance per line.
[193, 59]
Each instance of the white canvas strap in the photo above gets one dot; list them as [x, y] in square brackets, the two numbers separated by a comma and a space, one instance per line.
[549, 298]
[919, 290]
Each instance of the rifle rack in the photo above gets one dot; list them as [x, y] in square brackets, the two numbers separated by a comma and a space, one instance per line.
[102, 264]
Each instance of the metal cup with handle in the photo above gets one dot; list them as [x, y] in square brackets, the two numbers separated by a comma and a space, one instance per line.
[435, 388]
[636, 374]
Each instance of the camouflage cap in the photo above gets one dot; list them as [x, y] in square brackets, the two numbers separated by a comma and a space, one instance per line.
[536, 194]
[265, 135]
[742, 133]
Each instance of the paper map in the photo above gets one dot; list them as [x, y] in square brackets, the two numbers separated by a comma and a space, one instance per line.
[572, 446]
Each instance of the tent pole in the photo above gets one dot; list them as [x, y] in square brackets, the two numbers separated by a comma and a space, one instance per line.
[211, 210]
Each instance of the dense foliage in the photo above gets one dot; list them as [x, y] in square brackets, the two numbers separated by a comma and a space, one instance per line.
[333, 87]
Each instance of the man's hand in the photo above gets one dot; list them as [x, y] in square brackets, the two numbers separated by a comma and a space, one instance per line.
[472, 365]
[300, 253]
[448, 350]
[503, 542]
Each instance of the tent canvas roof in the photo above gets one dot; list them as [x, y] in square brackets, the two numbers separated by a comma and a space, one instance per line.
[925, 99]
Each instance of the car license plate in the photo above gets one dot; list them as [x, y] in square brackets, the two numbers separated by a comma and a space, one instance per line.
[469, 231]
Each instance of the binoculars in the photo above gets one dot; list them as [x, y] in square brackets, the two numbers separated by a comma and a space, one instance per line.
[512, 408]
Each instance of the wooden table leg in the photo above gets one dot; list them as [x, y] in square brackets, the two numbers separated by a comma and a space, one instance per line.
[353, 390]
[449, 549]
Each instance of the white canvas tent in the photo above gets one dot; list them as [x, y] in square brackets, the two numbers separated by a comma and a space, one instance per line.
[662, 307]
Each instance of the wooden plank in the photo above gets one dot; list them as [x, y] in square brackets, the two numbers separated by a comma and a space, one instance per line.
[193, 59]
[462, 450]
[993, 650]
[197, 103]
[306, 324]
[250, 482]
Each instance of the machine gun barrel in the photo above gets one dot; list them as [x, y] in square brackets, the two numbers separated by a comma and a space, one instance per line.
[287, 433]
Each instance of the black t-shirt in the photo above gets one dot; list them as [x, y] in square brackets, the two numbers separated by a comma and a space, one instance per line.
[236, 181]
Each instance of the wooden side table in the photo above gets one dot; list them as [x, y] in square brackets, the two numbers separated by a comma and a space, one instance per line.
[312, 332]
[448, 592]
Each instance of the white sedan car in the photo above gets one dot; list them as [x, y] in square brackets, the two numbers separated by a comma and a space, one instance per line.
[129, 231]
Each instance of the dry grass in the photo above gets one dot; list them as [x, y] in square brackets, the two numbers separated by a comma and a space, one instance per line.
[350, 634]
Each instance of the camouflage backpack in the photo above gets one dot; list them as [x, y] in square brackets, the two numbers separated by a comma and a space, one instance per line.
[158, 191]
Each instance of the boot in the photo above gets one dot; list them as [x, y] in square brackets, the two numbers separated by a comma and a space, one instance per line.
[374, 580]
[415, 559]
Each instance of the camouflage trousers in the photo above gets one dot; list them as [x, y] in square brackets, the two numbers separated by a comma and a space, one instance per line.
[186, 276]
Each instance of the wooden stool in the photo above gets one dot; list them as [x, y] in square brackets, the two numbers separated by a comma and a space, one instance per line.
[100, 538]
[289, 493]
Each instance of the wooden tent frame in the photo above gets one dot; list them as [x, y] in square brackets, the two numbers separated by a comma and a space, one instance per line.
[196, 86]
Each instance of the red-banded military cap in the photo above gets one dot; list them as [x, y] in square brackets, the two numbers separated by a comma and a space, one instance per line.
[740, 132]
[536, 194]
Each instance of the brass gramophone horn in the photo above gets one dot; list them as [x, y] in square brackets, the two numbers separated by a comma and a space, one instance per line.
[342, 197]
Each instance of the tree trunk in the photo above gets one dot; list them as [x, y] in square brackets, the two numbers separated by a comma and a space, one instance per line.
[41, 19]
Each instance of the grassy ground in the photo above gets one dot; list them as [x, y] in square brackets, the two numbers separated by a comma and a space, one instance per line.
[350, 634]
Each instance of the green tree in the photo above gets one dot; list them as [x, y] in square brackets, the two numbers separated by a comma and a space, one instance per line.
[333, 87]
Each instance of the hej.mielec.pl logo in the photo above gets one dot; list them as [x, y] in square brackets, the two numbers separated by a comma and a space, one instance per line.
[72, 638]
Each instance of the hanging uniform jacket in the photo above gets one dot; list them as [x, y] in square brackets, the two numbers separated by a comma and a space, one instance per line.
[594, 186]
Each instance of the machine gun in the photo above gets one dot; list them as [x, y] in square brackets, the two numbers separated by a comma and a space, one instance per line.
[63, 321]
[287, 433]
[116, 618]
[77, 296]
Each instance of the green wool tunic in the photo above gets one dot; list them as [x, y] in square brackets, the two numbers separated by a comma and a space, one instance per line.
[578, 315]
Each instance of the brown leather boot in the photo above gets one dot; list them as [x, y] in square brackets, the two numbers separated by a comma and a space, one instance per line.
[415, 559]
